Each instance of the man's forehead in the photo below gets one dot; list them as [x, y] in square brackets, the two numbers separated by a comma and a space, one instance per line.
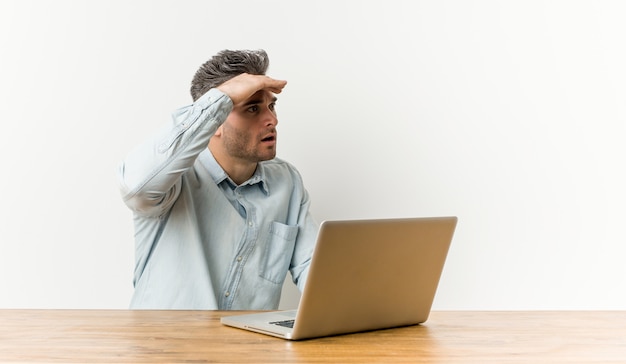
[259, 97]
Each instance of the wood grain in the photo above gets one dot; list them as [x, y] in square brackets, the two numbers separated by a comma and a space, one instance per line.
[124, 336]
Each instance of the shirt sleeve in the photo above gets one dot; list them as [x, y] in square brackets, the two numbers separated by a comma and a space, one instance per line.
[305, 241]
[305, 244]
[150, 176]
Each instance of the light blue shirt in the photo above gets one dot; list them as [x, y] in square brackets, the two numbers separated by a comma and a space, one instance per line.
[203, 242]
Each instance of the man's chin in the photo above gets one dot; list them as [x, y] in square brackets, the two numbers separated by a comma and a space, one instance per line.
[266, 157]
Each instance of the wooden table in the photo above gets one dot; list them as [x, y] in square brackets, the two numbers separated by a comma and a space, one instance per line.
[112, 336]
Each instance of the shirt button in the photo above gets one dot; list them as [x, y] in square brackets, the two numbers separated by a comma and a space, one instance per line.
[239, 259]
[250, 223]
[227, 294]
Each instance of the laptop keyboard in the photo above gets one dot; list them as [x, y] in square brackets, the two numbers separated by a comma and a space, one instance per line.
[285, 323]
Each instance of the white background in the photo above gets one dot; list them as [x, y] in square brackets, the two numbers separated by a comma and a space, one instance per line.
[508, 114]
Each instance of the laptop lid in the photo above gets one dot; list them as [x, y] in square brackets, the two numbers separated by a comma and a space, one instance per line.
[365, 275]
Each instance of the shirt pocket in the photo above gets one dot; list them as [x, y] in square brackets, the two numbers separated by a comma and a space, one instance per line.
[278, 251]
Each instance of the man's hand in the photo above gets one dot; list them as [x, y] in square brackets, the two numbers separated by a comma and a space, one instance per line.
[241, 87]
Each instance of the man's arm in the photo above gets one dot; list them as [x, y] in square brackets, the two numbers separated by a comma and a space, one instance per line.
[150, 176]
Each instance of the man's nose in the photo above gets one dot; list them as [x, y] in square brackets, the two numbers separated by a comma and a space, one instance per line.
[269, 118]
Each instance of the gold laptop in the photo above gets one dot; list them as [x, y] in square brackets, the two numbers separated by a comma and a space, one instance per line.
[364, 275]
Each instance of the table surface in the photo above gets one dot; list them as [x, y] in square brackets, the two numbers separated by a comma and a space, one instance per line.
[111, 336]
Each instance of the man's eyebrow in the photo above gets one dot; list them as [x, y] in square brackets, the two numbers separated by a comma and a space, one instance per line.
[258, 100]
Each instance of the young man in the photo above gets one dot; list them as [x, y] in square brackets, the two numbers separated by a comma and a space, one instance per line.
[218, 219]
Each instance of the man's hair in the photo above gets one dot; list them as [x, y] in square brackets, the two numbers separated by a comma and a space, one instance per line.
[226, 65]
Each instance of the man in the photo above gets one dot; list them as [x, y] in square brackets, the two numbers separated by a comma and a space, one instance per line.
[219, 221]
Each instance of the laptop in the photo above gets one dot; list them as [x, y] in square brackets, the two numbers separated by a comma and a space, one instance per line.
[364, 275]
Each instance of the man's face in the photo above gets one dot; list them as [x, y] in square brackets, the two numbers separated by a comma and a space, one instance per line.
[249, 132]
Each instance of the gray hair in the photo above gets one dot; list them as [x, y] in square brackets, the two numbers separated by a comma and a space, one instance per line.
[226, 65]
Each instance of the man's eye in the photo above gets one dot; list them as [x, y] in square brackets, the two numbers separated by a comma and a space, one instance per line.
[254, 108]
[272, 106]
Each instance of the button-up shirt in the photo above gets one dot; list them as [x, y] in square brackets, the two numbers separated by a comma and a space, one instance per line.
[202, 241]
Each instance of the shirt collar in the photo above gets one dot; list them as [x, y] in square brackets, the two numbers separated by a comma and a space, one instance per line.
[218, 174]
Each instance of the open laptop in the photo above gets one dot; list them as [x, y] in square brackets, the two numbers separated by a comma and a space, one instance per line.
[364, 275]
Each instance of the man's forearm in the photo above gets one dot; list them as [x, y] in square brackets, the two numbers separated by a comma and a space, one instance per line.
[150, 173]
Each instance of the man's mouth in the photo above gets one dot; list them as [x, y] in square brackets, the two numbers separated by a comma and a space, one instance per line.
[269, 138]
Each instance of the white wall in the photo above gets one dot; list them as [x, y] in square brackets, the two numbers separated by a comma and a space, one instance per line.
[509, 114]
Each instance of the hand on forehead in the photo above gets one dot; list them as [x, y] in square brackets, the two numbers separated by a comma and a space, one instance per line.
[244, 86]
